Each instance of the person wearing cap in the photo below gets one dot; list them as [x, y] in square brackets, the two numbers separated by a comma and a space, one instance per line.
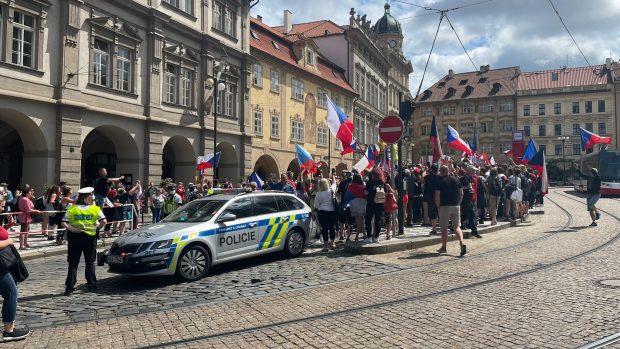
[82, 221]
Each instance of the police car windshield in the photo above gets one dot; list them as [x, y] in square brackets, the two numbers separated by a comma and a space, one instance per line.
[195, 211]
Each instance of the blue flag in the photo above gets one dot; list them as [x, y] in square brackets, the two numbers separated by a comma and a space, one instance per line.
[530, 151]
[256, 179]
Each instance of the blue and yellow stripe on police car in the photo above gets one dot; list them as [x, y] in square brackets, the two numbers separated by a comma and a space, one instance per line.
[276, 229]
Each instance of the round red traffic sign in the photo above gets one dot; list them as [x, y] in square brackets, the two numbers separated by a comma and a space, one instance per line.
[391, 129]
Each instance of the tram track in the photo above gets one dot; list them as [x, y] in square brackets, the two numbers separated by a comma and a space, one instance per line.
[419, 297]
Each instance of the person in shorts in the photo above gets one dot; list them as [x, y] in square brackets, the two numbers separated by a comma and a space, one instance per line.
[594, 193]
[448, 197]
[428, 196]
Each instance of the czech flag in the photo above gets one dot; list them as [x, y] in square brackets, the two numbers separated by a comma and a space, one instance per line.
[455, 141]
[386, 163]
[589, 139]
[208, 161]
[369, 159]
[340, 126]
[530, 151]
[538, 163]
[254, 177]
[305, 160]
[434, 140]
[508, 152]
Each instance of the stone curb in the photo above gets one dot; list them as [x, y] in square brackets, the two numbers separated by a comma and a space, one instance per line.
[56, 251]
[405, 243]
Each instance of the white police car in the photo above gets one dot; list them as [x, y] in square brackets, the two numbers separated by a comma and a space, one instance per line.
[213, 230]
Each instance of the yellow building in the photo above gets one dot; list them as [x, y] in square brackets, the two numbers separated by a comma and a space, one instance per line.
[288, 102]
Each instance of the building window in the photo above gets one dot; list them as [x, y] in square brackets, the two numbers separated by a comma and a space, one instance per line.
[309, 57]
[575, 107]
[601, 106]
[257, 123]
[101, 62]
[170, 84]
[186, 87]
[588, 106]
[257, 74]
[467, 109]
[576, 149]
[467, 128]
[576, 129]
[541, 109]
[226, 100]
[428, 112]
[297, 131]
[183, 5]
[451, 110]
[558, 149]
[602, 128]
[486, 127]
[487, 148]
[426, 130]
[275, 126]
[487, 108]
[321, 99]
[557, 130]
[542, 130]
[123, 69]
[321, 136]
[543, 147]
[557, 108]
[505, 146]
[505, 126]
[23, 39]
[505, 107]
[275, 80]
[526, 110]
[298, 89]
[589, 127]
[224, 18]
[526, 131]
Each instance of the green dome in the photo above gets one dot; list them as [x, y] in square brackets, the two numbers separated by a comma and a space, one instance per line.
[387, 23]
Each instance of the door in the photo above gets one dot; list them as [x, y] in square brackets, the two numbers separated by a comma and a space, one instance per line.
[240, 236]
[272, 223]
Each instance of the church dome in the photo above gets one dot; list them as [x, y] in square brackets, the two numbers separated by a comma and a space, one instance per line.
[387, 24]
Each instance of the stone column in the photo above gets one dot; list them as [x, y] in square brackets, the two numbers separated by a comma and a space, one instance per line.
[154, 150]
[69, 145]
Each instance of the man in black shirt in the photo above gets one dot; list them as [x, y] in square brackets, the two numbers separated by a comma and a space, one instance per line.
[344, 216]
[101, 185]
[448, 197]
[430, 210]
[594, 193]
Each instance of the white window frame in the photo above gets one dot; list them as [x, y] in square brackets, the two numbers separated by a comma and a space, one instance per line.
[217, 15]
[100, 68]
[310, 57]
[297, 130]
[275, 80]
[321, 135]
[297, 87]
[321, 97]
[487, 108]
[123, 68]
[506, 107]
[275, 126]
[170, 83]
[257, 122]
[186, 78]
[229, 21]
[486, 127]
[20, 29]
[257, 74]
[467, 108]
[449, 110]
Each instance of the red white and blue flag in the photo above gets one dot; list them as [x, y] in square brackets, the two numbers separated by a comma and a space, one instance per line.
[434, 140]
[508, 152]
[208, 161]
[589, 139]
[386, 162]
[485, 158]
[340, 126]
[306, 163]
[530, 151]
[538, 163]
[455, 142]
[369, 159]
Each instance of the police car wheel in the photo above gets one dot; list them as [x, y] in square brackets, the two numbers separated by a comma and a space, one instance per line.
[294, 243]
[193, 263]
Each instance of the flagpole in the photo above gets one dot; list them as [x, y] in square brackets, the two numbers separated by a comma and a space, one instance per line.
[329, 155]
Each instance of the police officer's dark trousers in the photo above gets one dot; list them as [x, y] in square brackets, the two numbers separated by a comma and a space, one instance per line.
[79, 243]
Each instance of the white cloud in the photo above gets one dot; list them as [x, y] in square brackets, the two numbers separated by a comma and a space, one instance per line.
[502, 33]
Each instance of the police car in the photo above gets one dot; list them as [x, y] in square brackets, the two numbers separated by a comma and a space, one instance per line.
[222, 227]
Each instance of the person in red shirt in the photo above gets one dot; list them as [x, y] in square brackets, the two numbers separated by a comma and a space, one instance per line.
[26, 207]
[181, 192]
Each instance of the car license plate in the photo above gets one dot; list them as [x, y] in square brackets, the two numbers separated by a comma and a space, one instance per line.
[115, 259]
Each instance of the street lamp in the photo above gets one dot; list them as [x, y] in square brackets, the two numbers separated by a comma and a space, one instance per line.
[216, 86]
[563, 139]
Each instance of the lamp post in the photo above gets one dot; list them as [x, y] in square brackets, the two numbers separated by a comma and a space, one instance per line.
[216, 86]
[563, 139]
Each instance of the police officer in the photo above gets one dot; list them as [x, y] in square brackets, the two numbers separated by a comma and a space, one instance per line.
[82, 221]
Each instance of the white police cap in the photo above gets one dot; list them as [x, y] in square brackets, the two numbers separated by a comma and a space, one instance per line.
[86, 190]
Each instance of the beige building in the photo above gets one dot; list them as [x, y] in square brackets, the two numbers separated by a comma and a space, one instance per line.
[288, 101]
[553, 104]
[121, 84]
[483, 100]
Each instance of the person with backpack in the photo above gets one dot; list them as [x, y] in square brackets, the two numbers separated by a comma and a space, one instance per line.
[374, 205]
[494, 183]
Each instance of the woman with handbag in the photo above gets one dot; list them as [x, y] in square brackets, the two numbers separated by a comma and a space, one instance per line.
[8, 290]
[391, 206]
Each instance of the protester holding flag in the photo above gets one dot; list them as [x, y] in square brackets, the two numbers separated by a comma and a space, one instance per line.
[455, 142]
[593, 191]
[589, 139]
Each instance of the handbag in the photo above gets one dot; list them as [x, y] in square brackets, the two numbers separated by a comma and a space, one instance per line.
[390, 203]
[8, 259]
[11, 260]
[517, 195]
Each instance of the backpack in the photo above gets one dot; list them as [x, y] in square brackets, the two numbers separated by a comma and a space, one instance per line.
[379, 195]
[495, 187]
[39, 204]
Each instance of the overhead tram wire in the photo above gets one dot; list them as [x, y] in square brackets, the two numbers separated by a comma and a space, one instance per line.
[461, 42]
[430, 53]
[569, 33]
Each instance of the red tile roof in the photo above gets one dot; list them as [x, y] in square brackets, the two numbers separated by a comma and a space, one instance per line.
[471, 85]
[264, 43]
[315, 29]
[566, 77]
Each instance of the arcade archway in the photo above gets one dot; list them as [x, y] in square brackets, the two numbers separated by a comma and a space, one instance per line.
[341, 167]
[179, 160]
[229, 163]
[113, 148]
[265, 166]
[293, 166]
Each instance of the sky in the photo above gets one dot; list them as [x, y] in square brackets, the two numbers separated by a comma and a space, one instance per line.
[501, 33]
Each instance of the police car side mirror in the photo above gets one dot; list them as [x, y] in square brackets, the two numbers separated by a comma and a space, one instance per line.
[226, 217]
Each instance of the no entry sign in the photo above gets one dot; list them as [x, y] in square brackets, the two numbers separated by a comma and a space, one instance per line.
[391, 129]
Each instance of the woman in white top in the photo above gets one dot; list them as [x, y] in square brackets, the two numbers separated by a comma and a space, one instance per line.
[324, 204]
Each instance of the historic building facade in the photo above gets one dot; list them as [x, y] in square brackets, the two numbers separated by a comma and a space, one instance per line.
[288, 101]
[121, 84]
[484, 100]
[553, 104]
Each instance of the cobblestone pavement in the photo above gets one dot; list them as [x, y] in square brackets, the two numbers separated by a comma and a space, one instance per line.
[407, 299]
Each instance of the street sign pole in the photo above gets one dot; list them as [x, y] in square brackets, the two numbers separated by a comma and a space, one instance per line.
[391, 130]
